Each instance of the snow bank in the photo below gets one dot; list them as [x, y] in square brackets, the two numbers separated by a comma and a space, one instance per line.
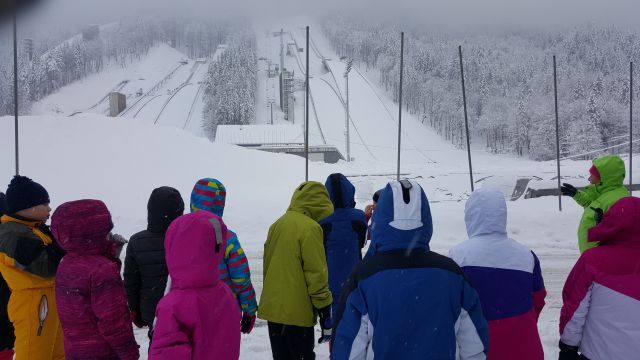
[120, 161]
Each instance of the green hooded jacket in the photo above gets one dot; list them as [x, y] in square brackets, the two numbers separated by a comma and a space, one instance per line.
[602, 195]
[295, 276]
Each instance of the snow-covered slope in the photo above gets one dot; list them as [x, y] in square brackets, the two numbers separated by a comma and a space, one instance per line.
[87, 94]
[120, 161]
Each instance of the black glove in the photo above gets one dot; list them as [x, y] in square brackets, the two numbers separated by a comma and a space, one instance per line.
[325, 324]
[568, 190]
[568, 352]
[136, 319]
[599, 213]
[55, 252]
[247, 322]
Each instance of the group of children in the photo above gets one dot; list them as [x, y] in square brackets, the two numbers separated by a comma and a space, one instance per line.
[187, 278]
[67, 299]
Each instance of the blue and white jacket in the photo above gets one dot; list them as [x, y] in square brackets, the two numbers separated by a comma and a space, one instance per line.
[404, 301]
[344, 234]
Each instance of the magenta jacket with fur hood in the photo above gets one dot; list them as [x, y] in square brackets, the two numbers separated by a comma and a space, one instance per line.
[601, 298]
[89, 291]
[198, 319]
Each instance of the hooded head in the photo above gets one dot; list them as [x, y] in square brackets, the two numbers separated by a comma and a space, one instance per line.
[341, 191]
[2, 211]
[612, 171]
[209, 195]
[24, 193]
[194, 246]
[311, 199]
[402, 219]
[165, 205]
[82, 227]
[486, 213]
[376, 196]
[619, 223]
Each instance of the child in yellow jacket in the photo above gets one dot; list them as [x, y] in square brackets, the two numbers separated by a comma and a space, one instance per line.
[29, 258]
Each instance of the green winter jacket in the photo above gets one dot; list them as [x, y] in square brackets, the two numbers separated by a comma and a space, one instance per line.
[602, 195]
[295, 276]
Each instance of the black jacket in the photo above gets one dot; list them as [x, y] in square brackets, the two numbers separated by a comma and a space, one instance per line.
[145, 269]
[6, 328]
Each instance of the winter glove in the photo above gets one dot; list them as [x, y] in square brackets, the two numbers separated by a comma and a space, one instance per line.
[599, 213]
[568, 352]
[136, 319]
[325, 324]
[55, 252]
[568, 190]
[117, 243]
[368, 210]
[247, 322]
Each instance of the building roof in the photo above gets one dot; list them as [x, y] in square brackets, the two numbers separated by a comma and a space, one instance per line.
[260, 134]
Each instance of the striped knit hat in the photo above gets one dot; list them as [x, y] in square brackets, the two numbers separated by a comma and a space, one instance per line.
[208, 195]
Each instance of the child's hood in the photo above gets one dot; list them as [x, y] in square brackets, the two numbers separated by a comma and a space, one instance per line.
[82, 227]
[194, 246]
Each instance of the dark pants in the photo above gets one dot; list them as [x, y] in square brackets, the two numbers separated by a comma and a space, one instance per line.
[290, 342]
[7, 336]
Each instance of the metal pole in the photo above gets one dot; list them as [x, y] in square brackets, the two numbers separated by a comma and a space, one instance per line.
[631, 128]
[271, 104]
[555, 94]
[281, 50]
[346, 77]
[466, 121]
[400, 101]
[306, 115]
[15, 84]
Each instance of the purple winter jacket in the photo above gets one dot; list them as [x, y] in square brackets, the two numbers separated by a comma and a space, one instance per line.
[198, 319]
[89, 291]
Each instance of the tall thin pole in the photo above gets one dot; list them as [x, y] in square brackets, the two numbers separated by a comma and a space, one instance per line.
[15, 84]
[466, 119]
[306, 115]
[400, 101]
[555, 94]
[281, 50]
[631, 128]
[346, 120]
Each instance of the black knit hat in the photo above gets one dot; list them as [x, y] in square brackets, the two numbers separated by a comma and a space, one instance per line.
[376, 195]
[24, 193]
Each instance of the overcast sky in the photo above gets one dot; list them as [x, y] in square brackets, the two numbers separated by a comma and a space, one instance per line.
[455, 14]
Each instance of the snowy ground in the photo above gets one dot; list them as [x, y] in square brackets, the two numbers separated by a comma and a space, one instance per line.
[90, 156]
[120, 160]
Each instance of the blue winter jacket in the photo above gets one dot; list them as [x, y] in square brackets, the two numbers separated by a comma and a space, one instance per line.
[404, 301]
[344, 234]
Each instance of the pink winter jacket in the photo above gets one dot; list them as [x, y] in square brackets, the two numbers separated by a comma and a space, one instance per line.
[89, 291]
[198, 319]
[601, 298]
